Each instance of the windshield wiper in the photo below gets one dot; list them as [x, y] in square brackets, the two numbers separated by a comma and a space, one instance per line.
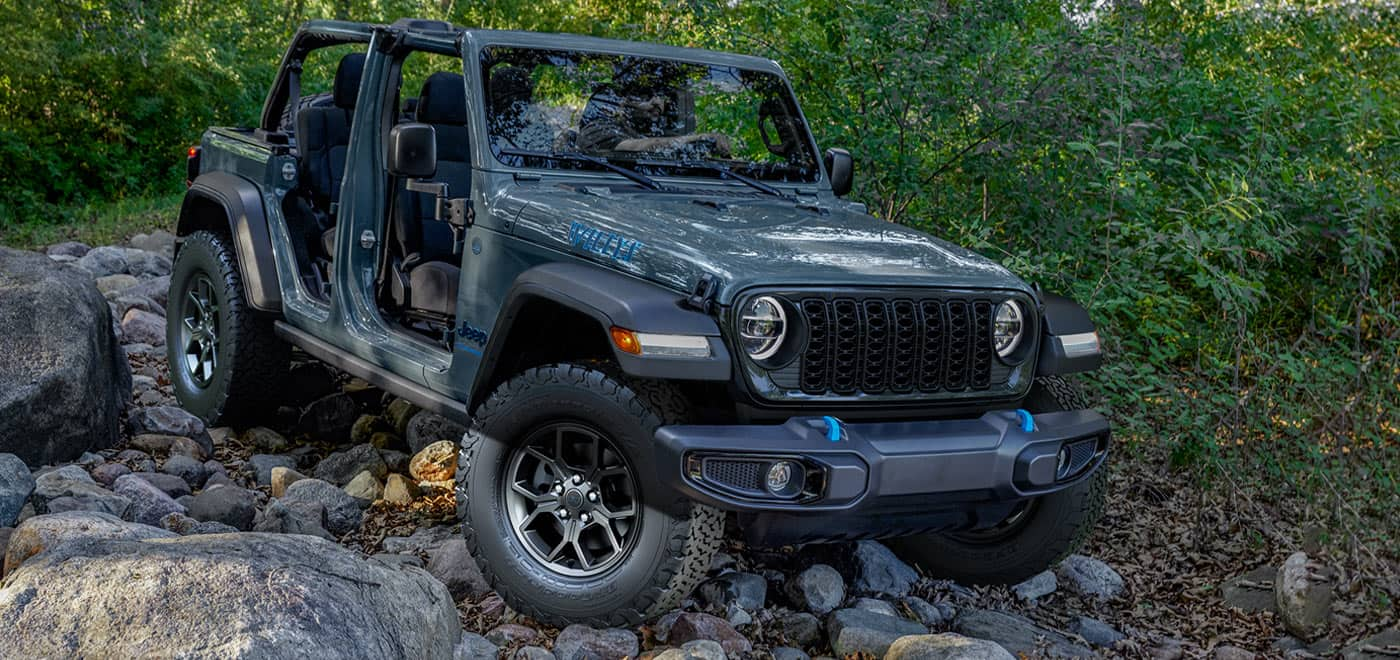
[577, 157]
[727, 172]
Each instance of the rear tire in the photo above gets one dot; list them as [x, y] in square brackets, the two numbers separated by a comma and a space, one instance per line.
[645, 563]
[225, 362]
[1036, 537]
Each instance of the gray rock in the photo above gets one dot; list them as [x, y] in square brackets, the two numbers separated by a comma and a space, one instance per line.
[41, 533]
[1017, 634]
[156, 288]
[159, 241]
[16, 484]
[145, 264]
[64, 380]
[69, 249]
[854, 631]
[72, 484]
[737, 616]
[404, 560]
[140, 327]
[747, 590]
[1303, 592]
[398, 413]
[691, 626]
[342, 466]
[396, 461]
[1038, 586]
[265, 440]
[1227, 652]
[818, 589]
[1090, 577]
[453, 565]
[365, 488]
[1095, 632]
[511, 634]
[800, 628]
[148, 503]
[879, 571]
[343, 512]
[424, 428]
[398, 489]
[789, 653]
[185, 526]
[229, 505]
[190, 470]
[89, 460]
[273, 596]
[151, 443]
[580, 642]
[111, 284]
[700, 649]
[261, 466]
[1380, 646]
[329, 418]
[103, 261]
[421, 540]
[125, 302]
[169, 420]
[107, 473]
[137, 460]
[533, 653]
[924, 612]
[172, 485]
[474, 647]
[191, 448]
[945, 646]
[874, 605]
[282, 517]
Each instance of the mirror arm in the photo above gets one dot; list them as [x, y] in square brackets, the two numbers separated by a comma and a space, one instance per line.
[456, 212]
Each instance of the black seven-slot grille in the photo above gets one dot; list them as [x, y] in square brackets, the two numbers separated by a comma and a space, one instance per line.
[882, 346]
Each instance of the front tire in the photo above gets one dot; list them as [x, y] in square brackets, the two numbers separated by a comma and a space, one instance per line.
[1037, 535]
[225, 362]
[578, 440]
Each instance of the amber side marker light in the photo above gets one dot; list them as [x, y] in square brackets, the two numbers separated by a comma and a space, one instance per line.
[626, 340]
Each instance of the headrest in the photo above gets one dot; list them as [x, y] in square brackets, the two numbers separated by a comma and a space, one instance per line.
[347, 80]
[444, 99]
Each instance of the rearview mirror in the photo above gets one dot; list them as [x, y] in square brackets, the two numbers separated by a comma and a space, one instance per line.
[412, 151]
[840, 167]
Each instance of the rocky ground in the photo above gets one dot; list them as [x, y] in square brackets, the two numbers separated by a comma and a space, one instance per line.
[341, 511]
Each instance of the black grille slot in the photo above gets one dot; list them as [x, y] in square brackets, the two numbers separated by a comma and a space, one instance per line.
[738, 475]
[1080, 454]
[875, 345]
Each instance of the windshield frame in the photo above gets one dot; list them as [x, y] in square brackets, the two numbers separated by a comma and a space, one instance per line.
[477, 42]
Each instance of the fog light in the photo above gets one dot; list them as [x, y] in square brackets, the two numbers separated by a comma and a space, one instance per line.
[780, 477]
[1062, 462]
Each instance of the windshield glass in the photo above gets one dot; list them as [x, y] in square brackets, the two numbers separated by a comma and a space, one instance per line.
[659, 117]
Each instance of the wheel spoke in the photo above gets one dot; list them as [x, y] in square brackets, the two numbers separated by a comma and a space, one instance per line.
[528, 494]
[581, 553]
[612, 538]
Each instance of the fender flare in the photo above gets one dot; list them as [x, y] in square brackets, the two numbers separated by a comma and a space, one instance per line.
[246, 222]
[613, 299]
[1069, 342]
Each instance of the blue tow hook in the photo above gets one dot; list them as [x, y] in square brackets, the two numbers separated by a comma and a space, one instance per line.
[833, 428]
[1027, 423]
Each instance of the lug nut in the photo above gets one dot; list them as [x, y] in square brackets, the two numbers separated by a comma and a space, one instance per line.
[592, 496]
[578, 479]
[563, 514]
[558, 489]
[584, 518]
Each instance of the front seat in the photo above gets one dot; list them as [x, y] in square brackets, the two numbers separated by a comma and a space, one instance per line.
[323, 136]
[428, 273]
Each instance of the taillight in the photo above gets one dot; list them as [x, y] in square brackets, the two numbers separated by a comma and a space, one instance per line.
[192, 165]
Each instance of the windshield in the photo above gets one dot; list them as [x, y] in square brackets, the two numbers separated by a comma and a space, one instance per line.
[659, 117]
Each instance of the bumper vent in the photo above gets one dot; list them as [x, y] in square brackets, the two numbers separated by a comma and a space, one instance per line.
[883, 346]
[744, 476]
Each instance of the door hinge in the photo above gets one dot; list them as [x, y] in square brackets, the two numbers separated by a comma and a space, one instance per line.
[702, 296]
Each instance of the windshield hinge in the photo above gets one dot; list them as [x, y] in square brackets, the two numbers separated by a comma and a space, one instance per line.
[702, 296]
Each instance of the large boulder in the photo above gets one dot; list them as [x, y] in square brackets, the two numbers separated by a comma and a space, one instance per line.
[272, 596]
[16, 484]
[64, 379]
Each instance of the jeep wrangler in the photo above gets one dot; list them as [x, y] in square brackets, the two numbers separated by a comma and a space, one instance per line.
[627, 269]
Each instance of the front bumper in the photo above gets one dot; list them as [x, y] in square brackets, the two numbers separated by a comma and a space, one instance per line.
[885, 477]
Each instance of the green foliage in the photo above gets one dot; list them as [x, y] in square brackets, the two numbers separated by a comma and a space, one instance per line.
[1215, 181]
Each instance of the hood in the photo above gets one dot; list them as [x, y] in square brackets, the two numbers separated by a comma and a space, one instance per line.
[673, 238]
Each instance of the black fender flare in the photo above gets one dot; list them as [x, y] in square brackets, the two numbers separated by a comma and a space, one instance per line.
[613, 299]
[246, 223]
[1069, 341]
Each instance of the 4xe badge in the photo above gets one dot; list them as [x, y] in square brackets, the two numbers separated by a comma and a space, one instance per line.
[604, 243]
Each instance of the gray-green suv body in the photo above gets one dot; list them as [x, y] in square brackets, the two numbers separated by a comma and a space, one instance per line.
[626, 266]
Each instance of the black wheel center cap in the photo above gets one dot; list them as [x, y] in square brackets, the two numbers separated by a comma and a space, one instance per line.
[573, 500]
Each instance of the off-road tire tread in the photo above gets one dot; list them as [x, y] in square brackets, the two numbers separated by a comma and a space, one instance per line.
[692, 542]
[258, 360]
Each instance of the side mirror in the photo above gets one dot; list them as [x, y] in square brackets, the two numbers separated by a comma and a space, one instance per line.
[412, 151]
[840, 167]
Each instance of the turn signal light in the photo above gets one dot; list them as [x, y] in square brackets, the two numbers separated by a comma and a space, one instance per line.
[626, 340]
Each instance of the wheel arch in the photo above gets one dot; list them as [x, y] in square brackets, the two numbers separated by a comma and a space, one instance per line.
[231, 205]
[572, 307]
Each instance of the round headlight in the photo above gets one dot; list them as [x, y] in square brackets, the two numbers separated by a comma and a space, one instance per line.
[1007, 328]
[762, 326]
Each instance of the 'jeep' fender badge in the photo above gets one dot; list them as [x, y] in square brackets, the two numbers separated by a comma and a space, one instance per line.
[604, 243]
